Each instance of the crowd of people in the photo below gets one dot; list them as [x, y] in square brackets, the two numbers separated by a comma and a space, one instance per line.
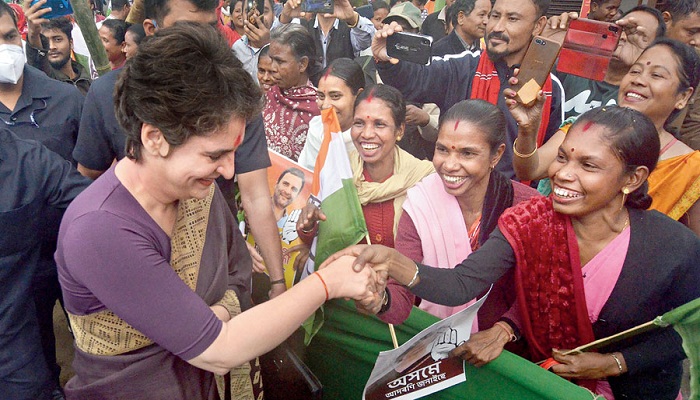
[121, 192]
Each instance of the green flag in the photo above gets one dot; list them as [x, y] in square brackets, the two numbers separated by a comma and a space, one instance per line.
[686, 321]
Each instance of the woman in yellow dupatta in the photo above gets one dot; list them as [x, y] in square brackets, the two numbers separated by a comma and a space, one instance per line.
[382, 173]
[658, 85]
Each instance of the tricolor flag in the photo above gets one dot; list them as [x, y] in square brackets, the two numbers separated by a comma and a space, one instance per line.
[333, 186]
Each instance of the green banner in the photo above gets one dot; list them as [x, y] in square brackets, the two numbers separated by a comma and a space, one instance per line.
[343, 353]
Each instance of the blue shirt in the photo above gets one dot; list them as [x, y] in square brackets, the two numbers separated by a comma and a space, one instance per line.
[32, 179]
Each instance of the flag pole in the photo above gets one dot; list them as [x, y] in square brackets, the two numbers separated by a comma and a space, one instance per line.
[647, 326]
[392, 331]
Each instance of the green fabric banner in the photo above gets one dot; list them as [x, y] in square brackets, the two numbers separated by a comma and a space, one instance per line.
[686, 321]
[344, 351]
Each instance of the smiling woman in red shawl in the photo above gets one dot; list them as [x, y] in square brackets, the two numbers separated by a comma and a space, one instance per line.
[290, 104]
[589, 262]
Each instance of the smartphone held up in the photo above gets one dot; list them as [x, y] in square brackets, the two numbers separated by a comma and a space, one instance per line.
[410, 47]
[250, 6]
[318, 6]
[588, 48]
[59, 8]
[535, 68]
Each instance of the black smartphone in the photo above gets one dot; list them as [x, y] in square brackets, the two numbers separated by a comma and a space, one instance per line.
[318, 6]
[59, 8]
[410, 47]
[249, 9]
[535, 68]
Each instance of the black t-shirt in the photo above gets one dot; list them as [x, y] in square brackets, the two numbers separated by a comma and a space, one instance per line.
[584, 94]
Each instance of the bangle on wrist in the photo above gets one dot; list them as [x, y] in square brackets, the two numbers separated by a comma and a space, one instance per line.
[503, 325]
[278, 282]
[415, 277]
[617, 361]
[357, 20]
[310, 230]
[323, 282]
[521, 155]
[386, 301]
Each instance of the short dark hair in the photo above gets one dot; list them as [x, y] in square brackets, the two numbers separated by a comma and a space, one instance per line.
[117, 27]
[488, 117]
[379, 5]
[298, 38]
[390, 96]
[661, 30]
[6, 9]
[118, 5]
[185, 81]
[347, 71]
[296, 172]
[542, 7]
[158, 9]
[138, 31]
[465, 6]
[633, 138]
[680, 9]
[264, 51]
[62, 24]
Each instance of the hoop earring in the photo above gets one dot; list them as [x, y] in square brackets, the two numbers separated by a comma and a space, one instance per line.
[625, 192]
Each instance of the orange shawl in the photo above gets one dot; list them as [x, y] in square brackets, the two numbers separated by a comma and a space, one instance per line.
[675, 184]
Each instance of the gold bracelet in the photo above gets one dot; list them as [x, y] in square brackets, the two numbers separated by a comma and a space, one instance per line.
[617, 360]
[357, 21]
[521, 155]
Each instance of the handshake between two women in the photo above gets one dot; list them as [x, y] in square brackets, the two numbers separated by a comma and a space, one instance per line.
[379, 262]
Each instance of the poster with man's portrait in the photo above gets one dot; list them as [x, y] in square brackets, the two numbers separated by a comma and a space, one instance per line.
[290, 187]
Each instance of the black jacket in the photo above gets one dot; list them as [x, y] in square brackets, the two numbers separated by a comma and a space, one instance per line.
[450, 44]
[446, 82]
[433, 26]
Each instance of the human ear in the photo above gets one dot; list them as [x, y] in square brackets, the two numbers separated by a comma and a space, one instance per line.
[668, 18]
[154, 142]
[539, 25]
[149, 26]
[400, 131]
[498, 154]
[303, 64]
[683, 98]
[636, 178]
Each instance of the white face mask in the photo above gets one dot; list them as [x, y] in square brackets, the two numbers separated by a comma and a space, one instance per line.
[11, 63]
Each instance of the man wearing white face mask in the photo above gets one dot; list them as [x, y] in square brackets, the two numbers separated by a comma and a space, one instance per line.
[36, 107]
[32, 105]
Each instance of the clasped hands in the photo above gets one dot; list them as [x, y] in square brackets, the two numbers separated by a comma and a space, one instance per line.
[384, 262]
